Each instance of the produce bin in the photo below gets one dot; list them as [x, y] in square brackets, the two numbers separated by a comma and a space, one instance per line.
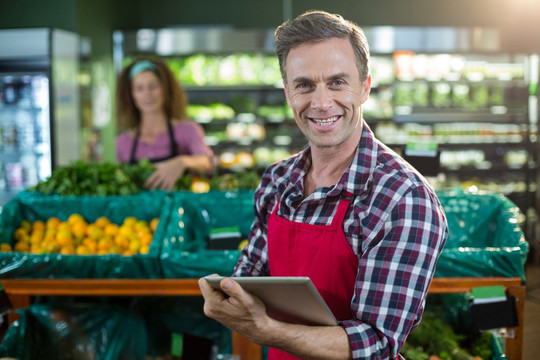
[485, 238]
[75, 331]
[33, 206]
[63, 329]
[192, 216]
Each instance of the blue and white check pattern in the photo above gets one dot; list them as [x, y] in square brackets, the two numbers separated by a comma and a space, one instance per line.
[395, 225]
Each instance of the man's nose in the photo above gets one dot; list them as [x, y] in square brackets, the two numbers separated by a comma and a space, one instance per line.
[321, 98]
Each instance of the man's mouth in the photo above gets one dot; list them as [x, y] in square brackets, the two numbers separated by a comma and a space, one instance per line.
[326, 121]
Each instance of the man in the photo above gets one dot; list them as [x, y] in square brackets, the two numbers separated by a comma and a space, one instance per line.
[346, 211]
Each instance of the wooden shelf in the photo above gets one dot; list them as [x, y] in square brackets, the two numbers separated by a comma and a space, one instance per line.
[21, 290]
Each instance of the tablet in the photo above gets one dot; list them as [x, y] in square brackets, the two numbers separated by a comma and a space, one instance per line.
[289, 299]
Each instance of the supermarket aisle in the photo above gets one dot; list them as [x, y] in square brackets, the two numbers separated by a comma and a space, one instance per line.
[531, 345]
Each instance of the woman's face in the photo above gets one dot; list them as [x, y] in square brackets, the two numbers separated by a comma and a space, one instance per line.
[147, 92]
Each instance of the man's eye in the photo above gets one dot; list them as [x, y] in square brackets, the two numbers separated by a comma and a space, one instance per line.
[303, 86]
[338, 82]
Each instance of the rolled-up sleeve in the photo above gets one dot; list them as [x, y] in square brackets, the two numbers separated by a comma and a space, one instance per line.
[403, 237]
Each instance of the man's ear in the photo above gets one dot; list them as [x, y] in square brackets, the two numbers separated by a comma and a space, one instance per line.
[366, 89]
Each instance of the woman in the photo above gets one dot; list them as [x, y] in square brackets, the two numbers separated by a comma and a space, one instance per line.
[151, 113]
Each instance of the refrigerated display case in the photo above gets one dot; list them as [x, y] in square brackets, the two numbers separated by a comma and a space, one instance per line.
[39, 106]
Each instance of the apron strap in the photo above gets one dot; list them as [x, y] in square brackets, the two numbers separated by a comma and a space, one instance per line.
[134, 147]
[173, 145]
[343, 205]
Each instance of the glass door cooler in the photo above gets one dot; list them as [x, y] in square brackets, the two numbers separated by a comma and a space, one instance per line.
[39, 106]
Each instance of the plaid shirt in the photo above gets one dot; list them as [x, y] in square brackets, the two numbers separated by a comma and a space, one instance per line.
[395, 225]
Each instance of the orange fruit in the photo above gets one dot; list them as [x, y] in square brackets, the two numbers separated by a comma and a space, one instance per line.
[49, 236]
[50, 247]
[53, 222]
[94, 231]
[64, 238]
[102, 221]
[144, 250]
[134, 245]
[125, 230]
[75, 218]
[38, 226]
[121, 241]
[78, 229]
[154, 224]
[111, 229]
[105, 244]
[200, 185]
[36, 238]
[67, 250]
[82, 250]
[146, 239]
[35, 249]
[25, 224]
[141, 224]
[90, 244]
[130, 221]
[5, 247]
[64, 226]
[20, 233]
[116, 250]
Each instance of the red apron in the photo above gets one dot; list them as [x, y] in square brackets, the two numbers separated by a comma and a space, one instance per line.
[321, 252]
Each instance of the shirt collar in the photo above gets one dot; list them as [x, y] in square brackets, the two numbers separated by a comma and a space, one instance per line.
[356, 179]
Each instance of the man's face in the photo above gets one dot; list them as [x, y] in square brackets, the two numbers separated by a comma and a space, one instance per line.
[324, 90]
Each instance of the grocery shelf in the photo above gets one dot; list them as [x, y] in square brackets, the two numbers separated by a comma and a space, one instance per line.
[440, 116]
[20, 292]
[239, 88]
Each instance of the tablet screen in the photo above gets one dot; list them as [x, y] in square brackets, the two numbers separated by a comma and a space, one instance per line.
[289, 299]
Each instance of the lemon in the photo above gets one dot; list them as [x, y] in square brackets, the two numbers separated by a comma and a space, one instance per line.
[242, 244]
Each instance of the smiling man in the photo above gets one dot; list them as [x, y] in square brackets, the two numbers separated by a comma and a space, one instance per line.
[346, 211]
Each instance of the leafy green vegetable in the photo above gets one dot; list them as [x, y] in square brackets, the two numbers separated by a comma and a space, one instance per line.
[481, 346]
[105, 178]
[434, 336]
[247, 180]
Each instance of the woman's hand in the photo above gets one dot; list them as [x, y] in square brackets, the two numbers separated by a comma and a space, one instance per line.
[166, 174]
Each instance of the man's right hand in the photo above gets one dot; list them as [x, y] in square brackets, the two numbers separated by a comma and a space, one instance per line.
[235, 308]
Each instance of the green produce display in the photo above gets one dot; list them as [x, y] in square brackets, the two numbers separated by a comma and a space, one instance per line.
[245, 180]
[228, 70]
[80, 178]
[105, 179]
[207, 113]
[434, 336]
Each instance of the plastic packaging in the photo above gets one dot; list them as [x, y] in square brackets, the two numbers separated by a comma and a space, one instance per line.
[184, 251]
[485, 238]
[75, 331]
